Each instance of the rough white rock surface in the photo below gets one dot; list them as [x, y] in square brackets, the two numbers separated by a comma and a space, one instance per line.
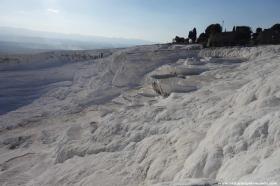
[98, 122]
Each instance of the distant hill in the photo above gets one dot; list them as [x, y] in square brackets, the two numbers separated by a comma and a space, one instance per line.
[18, 40]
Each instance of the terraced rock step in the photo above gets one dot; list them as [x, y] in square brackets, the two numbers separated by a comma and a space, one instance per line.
[169, 78]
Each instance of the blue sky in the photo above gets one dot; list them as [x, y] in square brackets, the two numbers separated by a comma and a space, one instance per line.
[153, 20]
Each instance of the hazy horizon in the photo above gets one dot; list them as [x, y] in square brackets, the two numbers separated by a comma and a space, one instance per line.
[67, 34]
[149, 20]
[19, 40]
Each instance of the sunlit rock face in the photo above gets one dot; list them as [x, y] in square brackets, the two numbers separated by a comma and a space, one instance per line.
[147, 115]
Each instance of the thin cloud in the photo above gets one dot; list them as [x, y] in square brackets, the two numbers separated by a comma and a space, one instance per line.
[54, 11]
[21, 12]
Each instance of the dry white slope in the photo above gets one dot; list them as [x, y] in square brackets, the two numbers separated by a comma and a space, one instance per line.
[106, 126]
